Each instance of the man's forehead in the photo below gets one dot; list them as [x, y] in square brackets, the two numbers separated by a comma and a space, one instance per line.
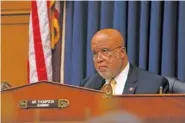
[103, 42]
[102, 38]
[107, 42]
[103, 45]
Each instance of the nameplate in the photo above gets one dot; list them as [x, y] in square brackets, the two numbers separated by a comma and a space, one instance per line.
[59, 103]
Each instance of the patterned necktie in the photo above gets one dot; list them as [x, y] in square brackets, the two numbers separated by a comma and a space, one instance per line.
[109, 87]
[113, 84]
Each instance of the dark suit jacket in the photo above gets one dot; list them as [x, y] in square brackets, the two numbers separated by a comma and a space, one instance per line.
[139, 80]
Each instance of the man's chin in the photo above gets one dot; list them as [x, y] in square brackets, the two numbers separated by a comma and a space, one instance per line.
[105, 75]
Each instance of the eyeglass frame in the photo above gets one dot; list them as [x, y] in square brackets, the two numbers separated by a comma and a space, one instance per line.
[108, 51]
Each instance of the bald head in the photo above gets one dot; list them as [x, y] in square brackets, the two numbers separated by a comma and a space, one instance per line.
[109, 34]
[109, 55]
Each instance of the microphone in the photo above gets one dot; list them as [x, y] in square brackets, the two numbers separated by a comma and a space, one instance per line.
[161, 90]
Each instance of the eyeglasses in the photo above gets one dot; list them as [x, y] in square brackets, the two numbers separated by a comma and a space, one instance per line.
[104, 52]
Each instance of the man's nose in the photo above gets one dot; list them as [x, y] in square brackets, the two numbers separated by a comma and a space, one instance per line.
[99, 57]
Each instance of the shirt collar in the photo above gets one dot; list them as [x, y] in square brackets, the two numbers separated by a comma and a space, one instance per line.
[121, 75]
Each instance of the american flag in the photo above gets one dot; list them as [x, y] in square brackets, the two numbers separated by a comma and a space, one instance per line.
[43, 35]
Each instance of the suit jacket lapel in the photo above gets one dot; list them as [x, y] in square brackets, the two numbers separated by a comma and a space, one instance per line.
[131, 83]
[130, 86]
[98, 84]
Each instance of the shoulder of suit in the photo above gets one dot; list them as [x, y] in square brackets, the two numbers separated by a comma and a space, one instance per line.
[92, 77]
[147, 73]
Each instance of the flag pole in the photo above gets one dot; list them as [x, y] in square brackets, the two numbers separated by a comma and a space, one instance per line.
[63, 44]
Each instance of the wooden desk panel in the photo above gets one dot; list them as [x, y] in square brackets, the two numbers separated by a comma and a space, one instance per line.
[86, 104]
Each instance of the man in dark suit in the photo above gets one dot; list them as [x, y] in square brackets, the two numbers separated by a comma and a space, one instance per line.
[113, 68]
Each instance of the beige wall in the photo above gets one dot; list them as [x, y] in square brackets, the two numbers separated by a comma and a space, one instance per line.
[14, 42]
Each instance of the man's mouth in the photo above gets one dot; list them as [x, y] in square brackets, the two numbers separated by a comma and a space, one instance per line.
[102, 68]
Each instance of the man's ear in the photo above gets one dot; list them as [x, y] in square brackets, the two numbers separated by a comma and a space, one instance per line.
[123, 52]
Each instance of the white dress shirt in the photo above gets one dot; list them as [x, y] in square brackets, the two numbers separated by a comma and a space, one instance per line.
[121, 80]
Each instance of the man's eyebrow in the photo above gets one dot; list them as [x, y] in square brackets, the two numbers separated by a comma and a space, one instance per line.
[101, 49]
[105, 48]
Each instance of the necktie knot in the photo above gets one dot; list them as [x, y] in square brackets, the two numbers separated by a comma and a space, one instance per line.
[113, 82]
[110, 87]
